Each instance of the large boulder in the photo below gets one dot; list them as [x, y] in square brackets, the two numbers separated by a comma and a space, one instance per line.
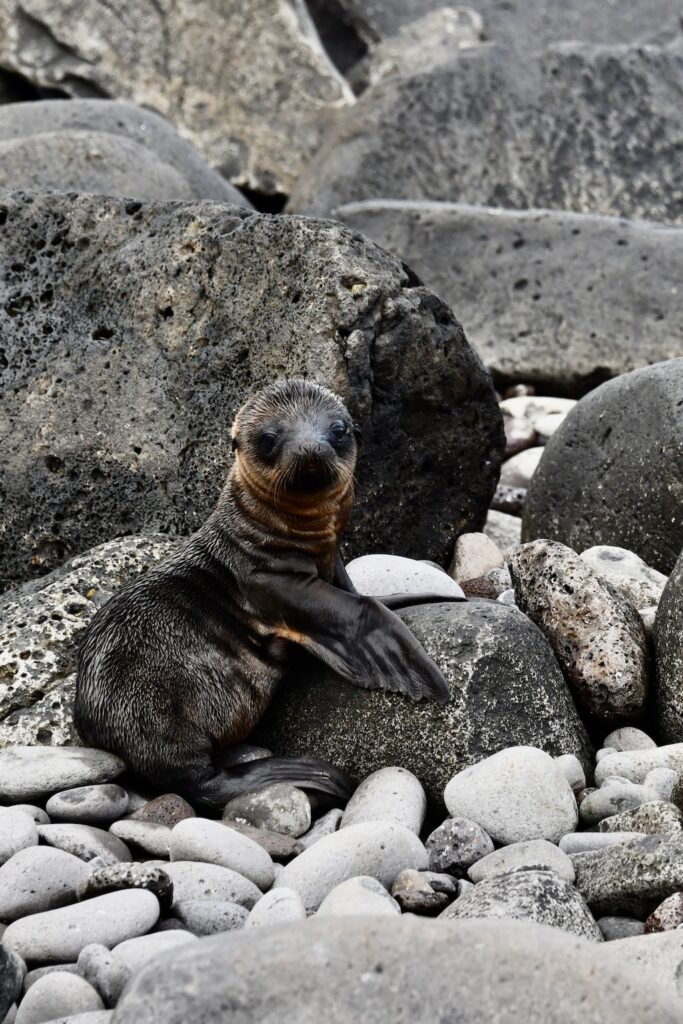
[506, 689]
[489, 129]
[533, 264]
[381, 970]
[248, 83]
[613, 472]
[103, 147]
[669, 656]
[41, 623]
[131, 333]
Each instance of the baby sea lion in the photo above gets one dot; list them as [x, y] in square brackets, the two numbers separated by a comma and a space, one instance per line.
[184, 660]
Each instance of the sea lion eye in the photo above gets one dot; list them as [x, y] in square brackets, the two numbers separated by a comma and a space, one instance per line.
[339, 430]
[267, 442]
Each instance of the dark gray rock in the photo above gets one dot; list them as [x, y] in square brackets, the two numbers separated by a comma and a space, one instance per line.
[41, 623]
[28, 773]
[249, 84]
[597, 636]
[533, 264]
[613, 472]
[86, 842]
[651, 818]
[491, 130]
[280, 847]
[167, 810]
[457, 844]
[631, 878]
[506, 688]
[667, 916]
[347, 969]
[669, 656]
[129, 876]
[414, 894]
[103, 147]
[12, 971]
[155, 321]
[532, 895]
[615, 928]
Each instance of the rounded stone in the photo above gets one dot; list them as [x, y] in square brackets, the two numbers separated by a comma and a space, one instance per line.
[517, 794]
[573, 769]
[12, 973]
[167, 810]
[585, 842]
[518, 471]
[88, 804]
[279, 906]
[86, 842]
[57, 995]
[153, 838]
[278, 808]
[652, 818]
[116, 877]
[475, 554]
[415, 893]
[375, 848]
[456, 844]
[215, 843]
[34, 773]
[626, 572]
[324, 826]
[18, 831]
[106, 975]
[361, 895]
[136, 952]
[390, 794]
[195, 880]
[629, 738]
[208, 917]
[667, 916]
[669, 661]
[381, 575]
[613, 798]
[368, 969]
[58, 936]
[37, 879]
[631, 878]
[614, 928]
[540, 896]
[536, 854]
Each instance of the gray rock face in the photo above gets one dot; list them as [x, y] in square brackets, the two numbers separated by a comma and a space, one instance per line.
[637, 582]
[193, 880]
[652, 818]
[128, 876]
[158, 301]
[88, 804]
[521, 972]
[17, 832]
[390, 794]
[279, 808]
[603, 482]
[39, 879]
[489, 130]
[12, 971]
[60, 994]
[86, 842]
[536, 854]
[103, 147]
[534, 263]
[213, 842]
[32, 773]
[58, 936]
[40, 627]
[669, 691]
[614, 797]
[657, 957]
[249, 84]
[540, 896]
[596, 634]
[457, 844]
[149, 836]
[631, 878]
[506, 688]
[207, 917]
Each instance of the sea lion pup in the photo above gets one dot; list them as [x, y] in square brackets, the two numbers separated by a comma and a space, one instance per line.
[184, 660]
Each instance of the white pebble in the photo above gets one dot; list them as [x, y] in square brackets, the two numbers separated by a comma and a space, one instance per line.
[390, 794]
[203, 840]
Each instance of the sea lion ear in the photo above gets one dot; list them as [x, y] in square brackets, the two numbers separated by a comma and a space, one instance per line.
[358, 434]
[235, 444]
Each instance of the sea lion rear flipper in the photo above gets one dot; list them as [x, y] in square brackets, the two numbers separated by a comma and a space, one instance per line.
[357, 637]
[396, 601]
[305, 772]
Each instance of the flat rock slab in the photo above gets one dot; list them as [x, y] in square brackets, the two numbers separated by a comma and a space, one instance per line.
[613, 472]
[669, 693]
[249, 84]
[533, 264]
[174, 313]
[506, 688]
[348, 969]
[103, 147]
[489, 129]
[632, 878]
[34, 773]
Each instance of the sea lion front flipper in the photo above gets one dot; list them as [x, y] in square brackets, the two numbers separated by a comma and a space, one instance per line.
[393, 601]
[357, 637]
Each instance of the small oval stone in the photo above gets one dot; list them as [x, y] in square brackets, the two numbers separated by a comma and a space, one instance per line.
[390, 794]
[629, 738]
[60, 994]
[86, 842]
[414, 894]
[456, 844]
[89, 805]
[35, 773]
[107, 976]
[614, 928]
[613, 798]
[167, 810]
[361, 895]
[151, 837]
[536, 854]
[209, 917]
[18, 831]
[279, 906]
[215, 843]
[194, 880]
[277, 808]
[116, 877]
[135, 953]
[380, 575]
[37, 879]
[324, 826]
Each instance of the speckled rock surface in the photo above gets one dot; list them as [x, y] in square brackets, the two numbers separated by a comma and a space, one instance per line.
[669, 690]
[37, 879]
[258, 68]
[485, 129]
[535, 262]
[632, 878]
[504, 530]
[33, 773]
[651, 818]
[506, 688]
[41, 623]
[128, 876]
[195, 881]
[522, 972]
[390, 794]
[596, 634]
[532, 895]
[203, 302]
[86, 842]
[637, 764]
[536, 854]
[637, 582]
[278, 808]
[602, 482]
[104, 147]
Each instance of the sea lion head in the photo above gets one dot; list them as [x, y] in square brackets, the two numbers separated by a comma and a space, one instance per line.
[295, 437]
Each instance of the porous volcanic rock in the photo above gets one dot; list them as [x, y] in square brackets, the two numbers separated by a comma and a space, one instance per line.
[489, 129]
[248, 83]
[533, 264]
[506, 689]
[132, 332]
[669, 647]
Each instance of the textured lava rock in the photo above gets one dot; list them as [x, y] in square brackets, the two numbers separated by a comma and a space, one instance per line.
[133, 332]
[633, 877]
[41, 623]
[506, 688]
[352, 968]
[534, 264]
[669, 690]
[613, 472]
[103, 147]
[249, 84]
[490, 129]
